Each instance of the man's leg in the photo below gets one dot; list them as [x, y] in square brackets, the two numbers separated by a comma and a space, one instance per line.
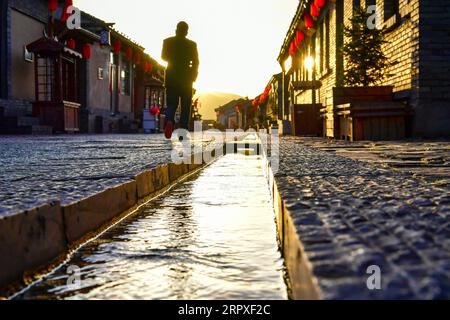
[172, 105]
[186, 105]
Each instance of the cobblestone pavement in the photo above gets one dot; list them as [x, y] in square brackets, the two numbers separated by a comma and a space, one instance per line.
[35, 170]
[426, 159]
[353, 214]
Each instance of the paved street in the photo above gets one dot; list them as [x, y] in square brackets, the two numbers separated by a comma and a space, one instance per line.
[424, 159]
[35, 170]
[353, 214]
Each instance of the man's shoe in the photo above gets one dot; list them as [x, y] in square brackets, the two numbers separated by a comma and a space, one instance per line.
[169, 130]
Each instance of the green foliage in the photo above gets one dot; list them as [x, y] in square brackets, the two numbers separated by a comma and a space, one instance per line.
[366, 63]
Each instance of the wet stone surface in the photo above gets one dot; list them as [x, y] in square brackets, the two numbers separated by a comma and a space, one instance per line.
[211, 237]
[351, 215]
[36, 170]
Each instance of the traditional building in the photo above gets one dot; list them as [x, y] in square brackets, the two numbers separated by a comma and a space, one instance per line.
[54, 79]
[418, 47]
[235, 114]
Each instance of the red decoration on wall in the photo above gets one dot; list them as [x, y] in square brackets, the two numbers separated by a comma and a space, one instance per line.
[299, 37]
[309, 22]
[320, 3]
[65, 15]
[137, 58]
[71, 44]
[148, 67]
[315, 12]
[292, 49]
[52, 5]
[129, 53]
[155, 111]
[87, 51]
[117, 46]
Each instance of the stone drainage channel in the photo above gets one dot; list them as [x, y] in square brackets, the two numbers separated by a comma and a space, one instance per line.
[212, 236]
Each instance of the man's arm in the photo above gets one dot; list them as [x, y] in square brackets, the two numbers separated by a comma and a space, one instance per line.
[195, 62]
[165, 52]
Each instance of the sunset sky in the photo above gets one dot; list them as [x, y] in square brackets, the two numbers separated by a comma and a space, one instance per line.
[238, 40]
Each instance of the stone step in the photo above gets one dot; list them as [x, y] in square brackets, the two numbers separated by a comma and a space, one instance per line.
[27, 121]
[41, 130]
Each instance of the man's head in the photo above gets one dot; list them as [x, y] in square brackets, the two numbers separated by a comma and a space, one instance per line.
[182, 29]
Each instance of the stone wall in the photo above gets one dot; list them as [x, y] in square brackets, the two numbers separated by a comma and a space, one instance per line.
[433, 109]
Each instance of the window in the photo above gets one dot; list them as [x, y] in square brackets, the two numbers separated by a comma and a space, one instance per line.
[45, 79]
[391, 8]
[125, 78]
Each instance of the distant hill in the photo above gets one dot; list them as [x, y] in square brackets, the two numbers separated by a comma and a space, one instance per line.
[212, 100]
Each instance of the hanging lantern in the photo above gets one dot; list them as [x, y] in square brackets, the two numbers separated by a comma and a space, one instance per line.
[148, 67]
[87, 51]
[137, 58]
[309, 22]
[117, 46]
[315, 12]
[320, 3]
[65, 15]
[154, 111]
[292, 49]
[129, 53]
[299, 37]
[52, 5]
[71, 44]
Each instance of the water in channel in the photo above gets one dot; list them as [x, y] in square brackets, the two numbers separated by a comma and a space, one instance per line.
[211, 237]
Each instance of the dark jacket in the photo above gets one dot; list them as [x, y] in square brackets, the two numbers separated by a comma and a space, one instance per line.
[182, 57]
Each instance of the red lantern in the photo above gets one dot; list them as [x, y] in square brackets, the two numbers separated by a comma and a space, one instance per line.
[315, 12]
[65, 15]
[309, 22]
[320, 3]
[71, 44]
[299, 37]
[52, 5]
[117, 46]
[87, 51]
[129, 53]
[292, 49]
[148, 67]
[137, 58]
[154, 111]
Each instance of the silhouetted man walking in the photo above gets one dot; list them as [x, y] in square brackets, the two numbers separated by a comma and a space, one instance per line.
[182, 70]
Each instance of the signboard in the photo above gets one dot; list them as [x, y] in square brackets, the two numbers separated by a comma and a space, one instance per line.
[105, 38]
[306, 85]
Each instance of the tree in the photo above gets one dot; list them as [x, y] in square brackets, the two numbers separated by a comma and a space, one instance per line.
[366, 62]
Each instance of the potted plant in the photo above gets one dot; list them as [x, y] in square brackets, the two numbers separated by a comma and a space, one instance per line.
[366, 63]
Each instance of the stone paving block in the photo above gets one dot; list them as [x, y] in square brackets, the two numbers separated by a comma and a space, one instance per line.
[29, 240]
[304, 284]
[145, 183]
[90, 214]
[162, 178]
